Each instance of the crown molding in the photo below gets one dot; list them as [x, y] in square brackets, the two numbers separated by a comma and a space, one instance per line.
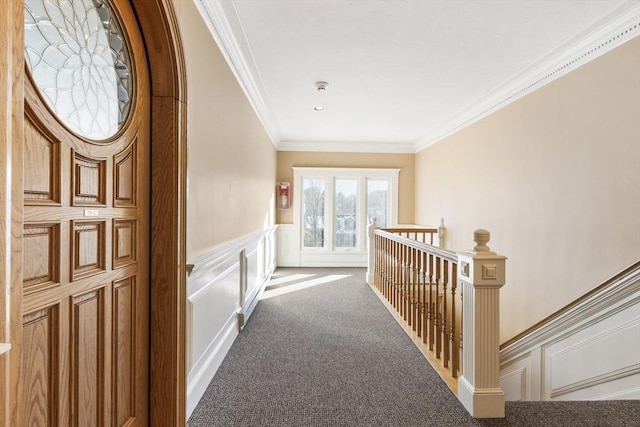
[612, 31]
[217, 15]
[348, 147]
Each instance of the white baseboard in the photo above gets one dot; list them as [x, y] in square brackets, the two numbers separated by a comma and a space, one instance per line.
[206, 367]
[334, 259]
[252, 301]
[222, 292]
[288, 252]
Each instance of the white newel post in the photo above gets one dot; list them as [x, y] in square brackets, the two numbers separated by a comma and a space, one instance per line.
[442, 231]
[482, 274]
[372, 252]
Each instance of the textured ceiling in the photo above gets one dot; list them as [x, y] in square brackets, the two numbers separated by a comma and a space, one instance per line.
[402, 74]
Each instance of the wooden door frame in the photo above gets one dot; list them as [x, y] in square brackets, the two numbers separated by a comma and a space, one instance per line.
[159, 26]
[168, 208]
[11, 143]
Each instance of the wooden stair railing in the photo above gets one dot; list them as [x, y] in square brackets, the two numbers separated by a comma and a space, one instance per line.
[422, 286]
[424, 235]
[419, 281]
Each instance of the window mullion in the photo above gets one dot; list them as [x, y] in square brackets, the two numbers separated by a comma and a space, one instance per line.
[361, 212]
[329, 213]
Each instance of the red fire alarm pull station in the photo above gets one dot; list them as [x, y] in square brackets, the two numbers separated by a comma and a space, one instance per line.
[284, 195]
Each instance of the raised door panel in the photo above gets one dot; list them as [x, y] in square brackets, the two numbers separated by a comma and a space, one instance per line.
[40, 358]
[125, 177]
[89, 181]
[86, 239]
[124, 242]
[88, 248]
[124, 350]
[88, 367]
[41, 267]
[42, 176]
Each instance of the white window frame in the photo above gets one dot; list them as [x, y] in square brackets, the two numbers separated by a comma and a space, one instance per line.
[359, 209]
[328, 255]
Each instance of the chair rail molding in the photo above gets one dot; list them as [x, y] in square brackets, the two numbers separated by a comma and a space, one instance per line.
[222, 291]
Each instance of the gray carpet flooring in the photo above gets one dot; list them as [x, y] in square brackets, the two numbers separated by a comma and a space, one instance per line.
[331, 355]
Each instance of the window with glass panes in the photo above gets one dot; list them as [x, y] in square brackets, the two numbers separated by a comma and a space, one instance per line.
[336, 205]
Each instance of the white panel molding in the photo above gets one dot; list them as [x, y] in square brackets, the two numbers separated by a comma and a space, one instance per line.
[602, 37]
[632, 393]
[222, 292]
[534, 384]
[596, 380]
[203, 371]
[514, 384]
[288, 252]
[593, 350]
[523, 386]
[260, 264]
[605, 322]
[216, 256]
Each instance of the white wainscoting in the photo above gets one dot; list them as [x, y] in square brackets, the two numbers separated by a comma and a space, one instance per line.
[591, 352]
[222, 291]
[288, 247]
[333, 259]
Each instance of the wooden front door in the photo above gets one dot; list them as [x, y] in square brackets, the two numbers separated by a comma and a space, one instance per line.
[85, 296]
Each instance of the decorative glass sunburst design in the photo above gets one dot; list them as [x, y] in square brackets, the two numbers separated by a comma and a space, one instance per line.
[79, 60]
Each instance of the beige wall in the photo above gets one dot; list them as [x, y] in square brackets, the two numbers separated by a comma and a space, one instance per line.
[231, 164]
[555, 177]
[405, 162]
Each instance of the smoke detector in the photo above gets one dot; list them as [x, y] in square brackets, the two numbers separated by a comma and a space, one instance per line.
[321, 86]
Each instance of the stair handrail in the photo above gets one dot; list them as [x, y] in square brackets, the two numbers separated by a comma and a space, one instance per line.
[415, 244]
[401, 270]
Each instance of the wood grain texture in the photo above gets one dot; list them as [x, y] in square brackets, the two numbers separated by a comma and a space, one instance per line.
[101, 369]
[168, 274]
[42, 178]
[41, 354]
[42, 269]
[89, 181]
[164, 46]
[88, 248]
[162, 38]
[168, 252]
[88, 375]
[11, 146]
[124, 180]
[124, 242]
[123, 351]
